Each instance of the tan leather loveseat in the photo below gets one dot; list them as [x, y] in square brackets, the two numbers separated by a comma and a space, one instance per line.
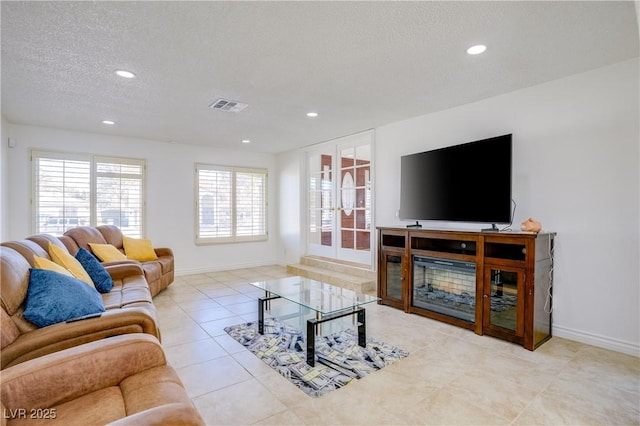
[129, 307]
[124, 380]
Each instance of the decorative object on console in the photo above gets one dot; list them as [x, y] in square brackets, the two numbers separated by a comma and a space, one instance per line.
[340, 358]
[531, 225]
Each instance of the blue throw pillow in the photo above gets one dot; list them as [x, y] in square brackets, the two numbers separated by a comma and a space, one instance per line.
[53, 297]
[100, 277]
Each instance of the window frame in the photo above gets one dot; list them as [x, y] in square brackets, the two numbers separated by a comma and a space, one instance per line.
[93, 160]
[234, 237]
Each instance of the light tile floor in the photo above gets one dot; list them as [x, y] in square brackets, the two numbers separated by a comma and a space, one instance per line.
[451, 376]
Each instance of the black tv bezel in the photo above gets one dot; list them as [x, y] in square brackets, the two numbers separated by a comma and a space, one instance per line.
[506, 215]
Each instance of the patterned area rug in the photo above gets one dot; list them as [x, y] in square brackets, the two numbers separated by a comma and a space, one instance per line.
[339, 359]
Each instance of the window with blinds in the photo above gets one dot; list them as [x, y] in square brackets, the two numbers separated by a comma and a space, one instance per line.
[73, 190]
[231, 204]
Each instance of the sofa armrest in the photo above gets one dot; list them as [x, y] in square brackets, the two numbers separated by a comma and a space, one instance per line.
[62, 376]
[169, 414]
[56, 337]
[163, 251]
[124, 269]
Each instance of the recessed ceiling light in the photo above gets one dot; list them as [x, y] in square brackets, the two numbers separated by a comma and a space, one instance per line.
[246, 141]
[108, 122]
[312, 114]
[477, 49]
[125, 74]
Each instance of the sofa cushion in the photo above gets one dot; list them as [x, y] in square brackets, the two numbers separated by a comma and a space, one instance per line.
[42, 263]
[69, 243]
[9, 332]
[53, 297]
[96, 271]
[139, 249]
[14, 279]
[166, 262]
[28, 249]
[83, 235]
[111, 234]
[107, 252]
[45, 240]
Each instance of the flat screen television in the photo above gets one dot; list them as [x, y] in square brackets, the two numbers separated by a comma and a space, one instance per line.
[470, 182]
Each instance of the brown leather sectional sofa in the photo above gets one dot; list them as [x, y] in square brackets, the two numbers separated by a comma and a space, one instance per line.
[71, 367]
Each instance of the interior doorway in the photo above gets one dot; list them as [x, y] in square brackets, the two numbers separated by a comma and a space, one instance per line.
[340, 199]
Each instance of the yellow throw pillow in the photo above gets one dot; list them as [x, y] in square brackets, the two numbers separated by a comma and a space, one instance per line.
[64, 259]
[107, 252]
[139, 249]
[42, 263]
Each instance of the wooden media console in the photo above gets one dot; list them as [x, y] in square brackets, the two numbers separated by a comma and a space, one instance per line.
[494, 283]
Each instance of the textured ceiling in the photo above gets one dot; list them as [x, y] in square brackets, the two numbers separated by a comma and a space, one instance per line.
[360, 65]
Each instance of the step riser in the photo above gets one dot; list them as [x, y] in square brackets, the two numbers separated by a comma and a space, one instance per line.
[337, 267]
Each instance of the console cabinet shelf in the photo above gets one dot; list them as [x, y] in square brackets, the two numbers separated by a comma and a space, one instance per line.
[493, 283]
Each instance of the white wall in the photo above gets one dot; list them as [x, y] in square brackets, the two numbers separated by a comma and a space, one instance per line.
[290, 206]
[575, 169]
[4, 180]
[170, 192]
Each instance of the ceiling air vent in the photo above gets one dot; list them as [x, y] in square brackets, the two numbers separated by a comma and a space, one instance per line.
[227, 105]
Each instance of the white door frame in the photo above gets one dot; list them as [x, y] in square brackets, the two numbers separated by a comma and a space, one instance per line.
[330, 216]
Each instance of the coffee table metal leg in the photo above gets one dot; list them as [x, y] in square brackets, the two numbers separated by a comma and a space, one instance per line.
[311, 342]
[261, 303]
[362, 331]
[313, 324]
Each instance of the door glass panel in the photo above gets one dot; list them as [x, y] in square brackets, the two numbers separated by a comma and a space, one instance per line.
[504, 299]
[355, 212]
[320, 197]
[348, 193]
[394, 276]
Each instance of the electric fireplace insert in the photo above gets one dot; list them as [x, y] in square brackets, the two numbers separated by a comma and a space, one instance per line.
[445, 286]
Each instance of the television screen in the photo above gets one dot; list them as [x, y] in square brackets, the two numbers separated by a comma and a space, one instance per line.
[470, 182]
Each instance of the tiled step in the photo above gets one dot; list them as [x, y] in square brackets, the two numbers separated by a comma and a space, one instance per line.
[347, 275]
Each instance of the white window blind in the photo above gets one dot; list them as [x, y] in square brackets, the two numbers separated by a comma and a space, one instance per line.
[119, 194]
[231, 204]
[72, 190]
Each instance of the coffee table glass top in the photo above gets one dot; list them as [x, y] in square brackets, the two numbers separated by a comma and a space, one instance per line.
[316, 295]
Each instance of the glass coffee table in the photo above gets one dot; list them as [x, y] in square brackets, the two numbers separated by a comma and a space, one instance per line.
[327, 301]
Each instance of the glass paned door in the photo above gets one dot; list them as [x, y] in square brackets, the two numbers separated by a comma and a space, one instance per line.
[339, 200]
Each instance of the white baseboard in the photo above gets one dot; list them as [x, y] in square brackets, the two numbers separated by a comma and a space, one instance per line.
[227, 267]
[592, 339]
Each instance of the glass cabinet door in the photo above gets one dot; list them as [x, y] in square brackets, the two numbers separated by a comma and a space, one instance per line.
[394, 277]
[504, 299]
